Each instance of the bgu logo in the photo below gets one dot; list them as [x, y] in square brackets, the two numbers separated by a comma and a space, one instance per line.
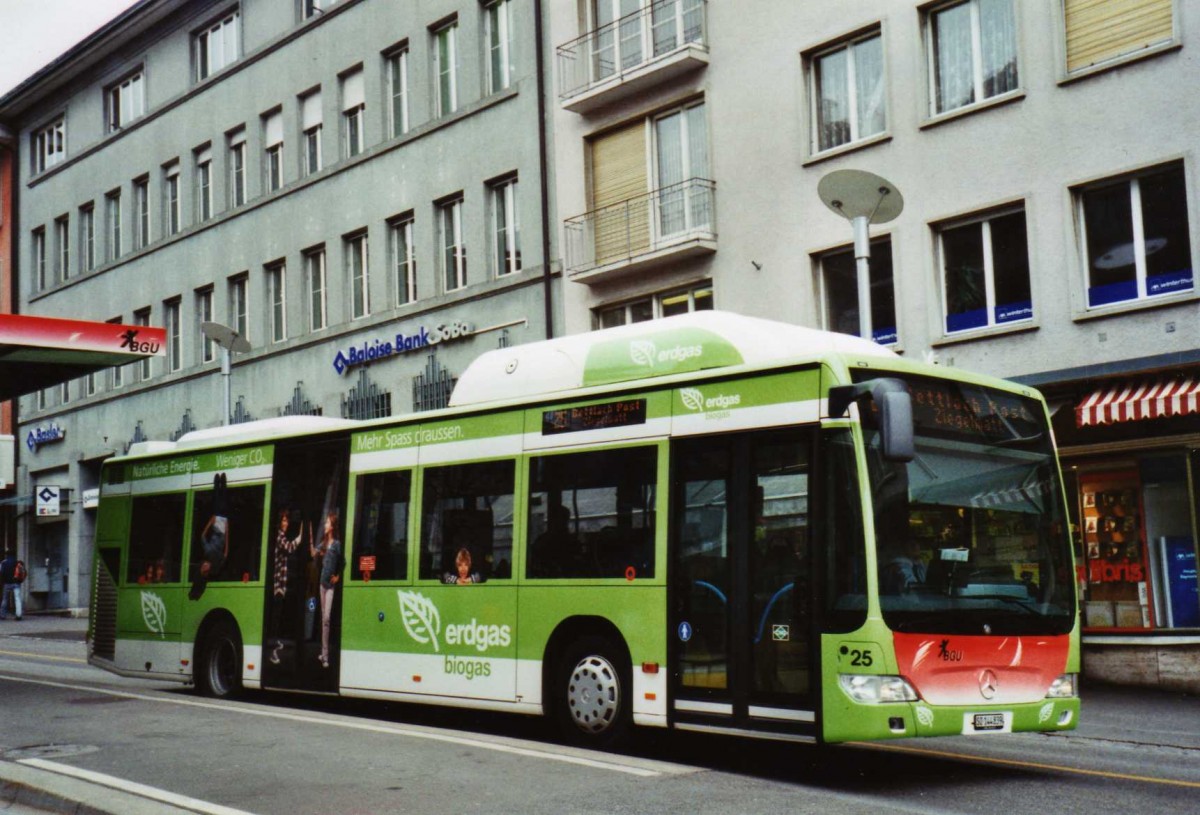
[129, 340]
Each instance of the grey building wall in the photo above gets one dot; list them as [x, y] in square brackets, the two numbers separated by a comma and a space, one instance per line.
[492, 135]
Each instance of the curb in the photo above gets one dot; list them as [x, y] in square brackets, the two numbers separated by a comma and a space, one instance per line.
[48, 792]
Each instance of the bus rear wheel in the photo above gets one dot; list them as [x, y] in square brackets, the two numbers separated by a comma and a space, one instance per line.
[219, 662]
[591, 693]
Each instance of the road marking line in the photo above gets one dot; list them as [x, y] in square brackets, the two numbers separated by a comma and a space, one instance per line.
[140, 790]
[42, 656]
[1032, 765]
[391, 730]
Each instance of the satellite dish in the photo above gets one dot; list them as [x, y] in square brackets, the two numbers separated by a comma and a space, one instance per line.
[859, 194]
[225, 337]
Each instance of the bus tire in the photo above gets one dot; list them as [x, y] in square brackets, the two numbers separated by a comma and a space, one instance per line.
[219, 662]
[591, 693]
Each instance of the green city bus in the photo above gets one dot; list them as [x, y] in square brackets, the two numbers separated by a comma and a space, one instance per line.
[706, 522]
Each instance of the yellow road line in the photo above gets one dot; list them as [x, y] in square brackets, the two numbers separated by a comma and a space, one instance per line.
[1031, 765]
[41, 656]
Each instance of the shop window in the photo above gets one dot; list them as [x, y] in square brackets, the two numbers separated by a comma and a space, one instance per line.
[592, 514]
[156, 539]
[243, 537]
[467, 507]
[381, 534]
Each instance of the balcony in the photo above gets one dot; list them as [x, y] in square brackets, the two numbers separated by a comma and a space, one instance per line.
[655, 44]
[664, 226]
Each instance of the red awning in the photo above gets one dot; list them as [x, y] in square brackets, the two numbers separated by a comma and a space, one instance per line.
[1143, 399]
[39, 352]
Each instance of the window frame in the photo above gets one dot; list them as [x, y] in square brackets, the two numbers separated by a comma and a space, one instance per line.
[238, 191]
[827, 315]
[62, 248]
[498, 44]
[204, 185]
[202, 52]
[172, 199]
[206, 348]
[696, 293]
[445, 68]
[239, 303]
[38, 256]
[173, 320]
[276, 274]
[48, 145]
[505, 226]
[87, 237]
[141, 203]
[450, 240]
[984, 220]
[358, 273]
[404, 261]
[144, 369]
[316, 288]
[113, 226]
[850, 45]
[397, 68]
[977, 68]
[116, 115]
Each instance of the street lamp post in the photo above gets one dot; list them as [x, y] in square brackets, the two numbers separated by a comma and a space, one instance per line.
[231, 342]
[863, 199]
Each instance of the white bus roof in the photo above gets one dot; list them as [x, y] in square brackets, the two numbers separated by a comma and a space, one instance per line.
[686, 343]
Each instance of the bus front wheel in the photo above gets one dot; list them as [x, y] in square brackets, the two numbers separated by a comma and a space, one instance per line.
[591, 693]
[219, 662]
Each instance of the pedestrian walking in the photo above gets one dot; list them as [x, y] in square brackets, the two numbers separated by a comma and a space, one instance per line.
[12, 575]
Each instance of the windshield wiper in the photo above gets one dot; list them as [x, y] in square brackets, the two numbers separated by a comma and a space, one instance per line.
[1007, 598]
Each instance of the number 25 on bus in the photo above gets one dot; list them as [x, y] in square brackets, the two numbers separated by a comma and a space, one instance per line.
[706, 522]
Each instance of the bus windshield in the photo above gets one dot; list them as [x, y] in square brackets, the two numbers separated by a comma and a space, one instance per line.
[971, 534]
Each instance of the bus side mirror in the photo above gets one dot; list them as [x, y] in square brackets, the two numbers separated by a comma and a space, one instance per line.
[894, 404]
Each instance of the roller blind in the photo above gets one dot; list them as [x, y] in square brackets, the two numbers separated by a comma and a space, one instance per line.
[619, 193]
[1099, 30]
[311, 110]
[352, 91]
[274, 129]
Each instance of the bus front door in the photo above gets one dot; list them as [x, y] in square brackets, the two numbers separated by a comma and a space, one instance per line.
[740, 630]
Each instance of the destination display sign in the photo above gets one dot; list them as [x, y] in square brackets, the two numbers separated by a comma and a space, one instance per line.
[956, 409]
[594, 417]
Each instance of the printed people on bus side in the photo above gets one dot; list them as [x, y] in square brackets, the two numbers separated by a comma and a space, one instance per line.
[329, 550]
[905, 570]
[285, 547]
[12, 586]
[462, 575]
[214, 539]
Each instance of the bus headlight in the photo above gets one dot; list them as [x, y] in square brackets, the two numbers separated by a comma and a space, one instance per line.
[1065, 687]
[877, 689]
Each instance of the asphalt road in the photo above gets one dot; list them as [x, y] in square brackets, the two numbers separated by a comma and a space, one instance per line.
[75, 739]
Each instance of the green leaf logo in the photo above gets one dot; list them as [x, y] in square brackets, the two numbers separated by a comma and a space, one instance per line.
[154, 612]
[692, 398]
[420, 617]
[643, 352]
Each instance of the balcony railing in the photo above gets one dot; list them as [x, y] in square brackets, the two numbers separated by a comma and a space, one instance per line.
[625, 46]
[660, 225]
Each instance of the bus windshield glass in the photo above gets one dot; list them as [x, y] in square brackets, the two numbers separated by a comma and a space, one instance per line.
[971, 534]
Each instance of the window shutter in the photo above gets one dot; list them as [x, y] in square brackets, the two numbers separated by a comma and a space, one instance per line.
[274, 129]
[1099, 30]
[352, 91]
[619, 177]
[311, 113]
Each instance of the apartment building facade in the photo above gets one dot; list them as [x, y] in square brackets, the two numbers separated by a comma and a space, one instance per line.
[9, 499]
[354, 187]
[1046, 157]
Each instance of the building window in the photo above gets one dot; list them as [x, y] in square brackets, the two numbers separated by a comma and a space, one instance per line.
[359, 274]
[398, 89]
[314, 282]
[445, 68]
[204, 189]
[142, 317]
[49, 146]
[353, 112]
[87, 238]
[310, 118]
[40, 399]
[171, 202]
[125, 101]
[454, 251]
[273, 139]
[1096, 34]
[681, 148]
[141, 203]
[972, 52]
[65, 393]
[216, 46]
[404, 261]
[1135, 237]
[62, 247]
[699, 298]
[239, 304]
[116, 376]
[91, 384]
[839, 278]
[506, 230]
[204, 314]
[848, 92]
[311, 8]
[237, 168]
[112, 215]
[277, 291]
[39, 258]
[172, 312]
[499, 42]
[985, 272]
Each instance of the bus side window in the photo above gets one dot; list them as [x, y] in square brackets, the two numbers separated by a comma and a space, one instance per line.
[156, 538]
[381, 530]
[468, 506]
[245, 532]
[592, 514]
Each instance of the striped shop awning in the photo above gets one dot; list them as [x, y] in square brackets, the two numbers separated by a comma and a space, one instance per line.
[1143, 399]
